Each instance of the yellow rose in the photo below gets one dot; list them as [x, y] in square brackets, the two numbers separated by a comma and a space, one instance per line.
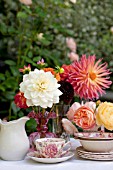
[104, 115]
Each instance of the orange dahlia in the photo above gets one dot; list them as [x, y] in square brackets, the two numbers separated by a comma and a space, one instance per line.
[89, 78]
[57, 76]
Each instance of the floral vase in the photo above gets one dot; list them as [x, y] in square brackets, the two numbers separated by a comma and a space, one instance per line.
[42, 120]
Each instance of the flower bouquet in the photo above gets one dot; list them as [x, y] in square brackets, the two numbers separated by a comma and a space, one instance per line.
[42, 91]
[86, 120]
[89, 80]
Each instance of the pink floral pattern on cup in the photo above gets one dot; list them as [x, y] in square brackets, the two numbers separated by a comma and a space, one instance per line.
[51, 147]
[51, 150]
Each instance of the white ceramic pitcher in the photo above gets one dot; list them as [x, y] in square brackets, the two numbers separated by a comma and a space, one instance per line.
[14, 143]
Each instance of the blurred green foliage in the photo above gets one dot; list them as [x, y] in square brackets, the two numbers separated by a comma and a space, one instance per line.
[88, 22]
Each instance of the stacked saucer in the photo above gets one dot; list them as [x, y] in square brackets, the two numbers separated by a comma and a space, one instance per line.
[94, 155]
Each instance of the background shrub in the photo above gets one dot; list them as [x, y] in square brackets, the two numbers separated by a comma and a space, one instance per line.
[88, 22]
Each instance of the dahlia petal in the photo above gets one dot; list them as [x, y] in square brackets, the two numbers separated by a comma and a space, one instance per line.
[29, 102]
[96, 64]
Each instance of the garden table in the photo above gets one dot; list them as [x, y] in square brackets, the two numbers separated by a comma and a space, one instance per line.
[75, 163]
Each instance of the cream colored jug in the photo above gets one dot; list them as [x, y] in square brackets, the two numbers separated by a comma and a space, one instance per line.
[14, 143]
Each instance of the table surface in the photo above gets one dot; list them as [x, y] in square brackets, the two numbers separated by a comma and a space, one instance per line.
[75, 163]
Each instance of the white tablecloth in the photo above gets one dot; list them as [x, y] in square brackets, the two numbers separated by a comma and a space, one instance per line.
[74, 163]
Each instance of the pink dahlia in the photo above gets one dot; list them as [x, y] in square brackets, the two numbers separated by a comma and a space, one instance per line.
[89, 78]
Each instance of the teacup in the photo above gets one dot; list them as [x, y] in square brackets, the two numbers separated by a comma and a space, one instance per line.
[51, 147]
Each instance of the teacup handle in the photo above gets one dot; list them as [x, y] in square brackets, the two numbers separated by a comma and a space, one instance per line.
[67, 150]
[67, 143]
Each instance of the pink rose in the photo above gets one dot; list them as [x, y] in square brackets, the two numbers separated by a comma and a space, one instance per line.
[73, 56]
[76, 105]
[84, 117]
[91, 105]
[71, 44]
[72, 110]
[26, 2]
[68, 126]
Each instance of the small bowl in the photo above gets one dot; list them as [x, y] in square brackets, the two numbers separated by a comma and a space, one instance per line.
[96, 141]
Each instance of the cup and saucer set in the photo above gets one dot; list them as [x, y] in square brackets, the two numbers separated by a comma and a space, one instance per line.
[51, 150]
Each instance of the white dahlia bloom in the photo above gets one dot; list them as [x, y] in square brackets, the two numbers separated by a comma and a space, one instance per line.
[40, 89]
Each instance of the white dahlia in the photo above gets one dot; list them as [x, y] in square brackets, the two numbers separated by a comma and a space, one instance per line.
[40, 89]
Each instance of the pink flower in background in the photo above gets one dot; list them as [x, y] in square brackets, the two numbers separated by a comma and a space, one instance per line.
[73, 1]
[41, 62]
[111, 29]
[73, 56]
[26, 69]
[89, 78]
[26, 2]
[40, 36]
[71, 44]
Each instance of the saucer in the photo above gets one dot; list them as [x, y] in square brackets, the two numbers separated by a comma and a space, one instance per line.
[51, 160]
[82, 150]
[94, 155]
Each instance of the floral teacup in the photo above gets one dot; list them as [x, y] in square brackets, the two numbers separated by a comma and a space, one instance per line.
[51, 147]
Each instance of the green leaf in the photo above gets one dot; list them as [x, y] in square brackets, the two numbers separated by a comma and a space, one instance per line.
[45, 41]
[40, 12]
[20, 114]
[14, 107]
[2, 88]
[14, 71]
[27, 9]
[10, 62]
[2, 76]
[3, 28]
[10, 83]
[9, 95]
[28, 60]
[31, 125]
[7, 74]
[22, 15]
[30, 54]
[35, 59]
[11, 29]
